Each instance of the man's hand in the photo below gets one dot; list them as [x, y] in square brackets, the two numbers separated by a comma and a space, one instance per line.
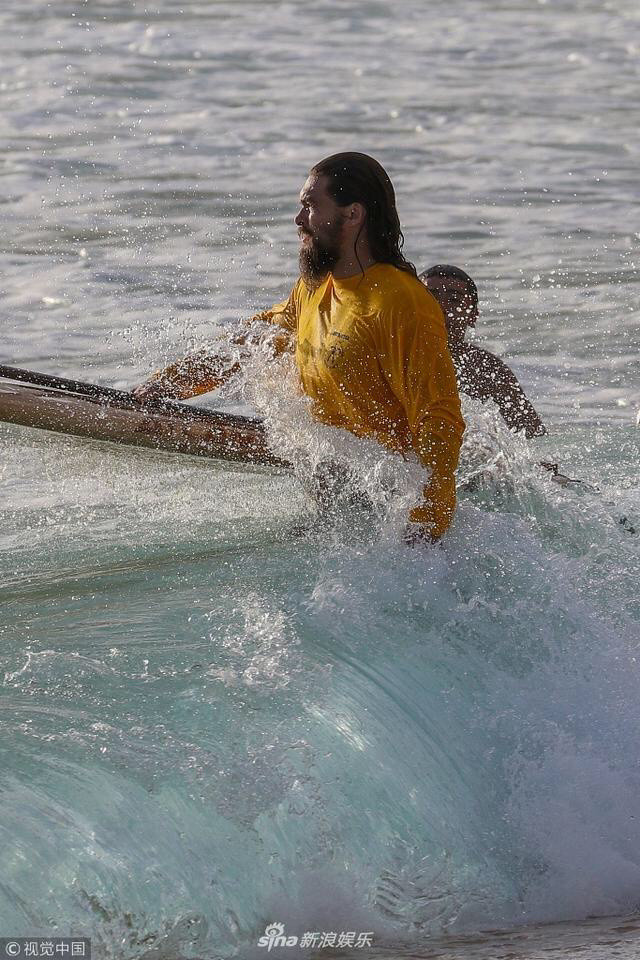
[556, 475]
[533, 425]
[153, 391]
[416, 534]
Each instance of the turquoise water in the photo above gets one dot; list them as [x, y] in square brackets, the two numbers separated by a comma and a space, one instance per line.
[220, 711]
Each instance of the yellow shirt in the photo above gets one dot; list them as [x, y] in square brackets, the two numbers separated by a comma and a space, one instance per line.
[372, 354]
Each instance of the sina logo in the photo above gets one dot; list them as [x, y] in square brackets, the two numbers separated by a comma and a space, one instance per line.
[274, 936]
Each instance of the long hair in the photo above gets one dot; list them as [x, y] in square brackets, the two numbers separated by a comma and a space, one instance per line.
[358, 178]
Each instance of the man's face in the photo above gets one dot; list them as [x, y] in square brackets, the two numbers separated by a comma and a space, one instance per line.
[319, 222]
[457, 304]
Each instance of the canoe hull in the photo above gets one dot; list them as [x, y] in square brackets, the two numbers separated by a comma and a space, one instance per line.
[219, 436]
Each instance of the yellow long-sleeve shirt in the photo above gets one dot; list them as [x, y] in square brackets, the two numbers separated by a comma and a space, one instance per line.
[372, 354]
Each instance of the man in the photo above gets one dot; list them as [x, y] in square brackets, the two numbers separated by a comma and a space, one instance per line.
[481, 375]
[369, 339]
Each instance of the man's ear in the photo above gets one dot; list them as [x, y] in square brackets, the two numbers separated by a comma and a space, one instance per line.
[356, 214]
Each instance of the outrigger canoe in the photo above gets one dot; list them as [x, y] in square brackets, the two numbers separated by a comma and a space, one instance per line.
[100, 413]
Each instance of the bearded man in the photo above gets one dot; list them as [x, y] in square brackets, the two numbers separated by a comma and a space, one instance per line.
[369, 339]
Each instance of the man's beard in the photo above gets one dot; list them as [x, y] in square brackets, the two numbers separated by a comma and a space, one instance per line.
[317, 258]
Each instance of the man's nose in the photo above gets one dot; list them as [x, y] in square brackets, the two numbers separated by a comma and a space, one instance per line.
[299, 221]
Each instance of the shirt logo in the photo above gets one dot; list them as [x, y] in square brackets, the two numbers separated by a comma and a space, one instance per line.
[330, 355]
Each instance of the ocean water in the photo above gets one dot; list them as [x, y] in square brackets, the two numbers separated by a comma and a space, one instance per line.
[220, 711]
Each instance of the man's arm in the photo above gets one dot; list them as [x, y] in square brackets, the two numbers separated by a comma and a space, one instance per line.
[202, 372]
[416, 361]
[193, 375]
[438, 445]
[484, 376]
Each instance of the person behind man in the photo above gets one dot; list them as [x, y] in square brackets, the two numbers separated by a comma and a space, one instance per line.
[481, 374]
[370, 342]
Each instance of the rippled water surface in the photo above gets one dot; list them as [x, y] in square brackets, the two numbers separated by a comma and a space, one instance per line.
[219, 711]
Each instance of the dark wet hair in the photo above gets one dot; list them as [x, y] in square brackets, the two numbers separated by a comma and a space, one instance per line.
[358, 178]
[446, 270]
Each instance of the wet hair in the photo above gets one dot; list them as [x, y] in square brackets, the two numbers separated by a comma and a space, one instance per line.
[358, 178]
[446, 270]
